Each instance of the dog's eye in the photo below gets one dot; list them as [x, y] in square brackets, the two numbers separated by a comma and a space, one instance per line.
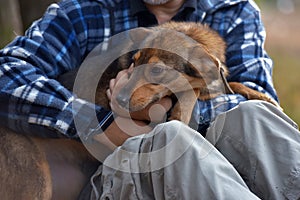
[156, 70]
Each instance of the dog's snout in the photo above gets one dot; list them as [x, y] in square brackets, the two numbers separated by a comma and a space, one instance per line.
[123, 100]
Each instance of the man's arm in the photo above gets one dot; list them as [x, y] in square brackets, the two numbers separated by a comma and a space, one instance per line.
[53, 45]
[247, 61]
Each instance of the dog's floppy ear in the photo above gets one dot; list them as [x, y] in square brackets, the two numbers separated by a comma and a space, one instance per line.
[202, 63]
[208, 67]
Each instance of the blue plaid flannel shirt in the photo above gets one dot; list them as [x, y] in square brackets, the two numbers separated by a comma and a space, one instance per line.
[59, 41]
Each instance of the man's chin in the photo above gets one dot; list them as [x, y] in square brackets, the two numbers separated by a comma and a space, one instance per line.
[156, 2]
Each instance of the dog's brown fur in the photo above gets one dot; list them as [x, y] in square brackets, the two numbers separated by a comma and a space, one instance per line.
[42, 168]
[191, 56]
[198, 76]
[38, 168]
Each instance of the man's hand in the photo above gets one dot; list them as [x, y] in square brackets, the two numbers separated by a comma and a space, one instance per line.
[131, 124]
[155, 112]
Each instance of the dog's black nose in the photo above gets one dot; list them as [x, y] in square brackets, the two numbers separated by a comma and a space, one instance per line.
[123, 100]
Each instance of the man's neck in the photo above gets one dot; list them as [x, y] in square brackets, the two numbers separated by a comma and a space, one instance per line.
[165, 12]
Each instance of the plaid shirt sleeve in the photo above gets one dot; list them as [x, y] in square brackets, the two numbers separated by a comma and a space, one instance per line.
[56, 43]
[248, 63]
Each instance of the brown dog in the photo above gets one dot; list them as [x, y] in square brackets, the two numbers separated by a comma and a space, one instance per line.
[181, 59]
[201, 74]
[36, 168]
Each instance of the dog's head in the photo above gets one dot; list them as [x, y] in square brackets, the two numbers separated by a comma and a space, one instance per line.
[176, 65]
[158, 73]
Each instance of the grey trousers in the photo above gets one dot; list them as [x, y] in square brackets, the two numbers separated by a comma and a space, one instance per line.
[250, 152]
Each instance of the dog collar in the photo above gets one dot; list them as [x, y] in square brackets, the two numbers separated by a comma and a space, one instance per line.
[221, 69]
[227, 87]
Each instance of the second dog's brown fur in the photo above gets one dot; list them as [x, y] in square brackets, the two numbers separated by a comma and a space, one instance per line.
[42, 168]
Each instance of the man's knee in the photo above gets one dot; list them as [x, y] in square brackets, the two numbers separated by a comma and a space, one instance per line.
[254, 109]
[249, 108]
[153, 151]
[170, 127]
[257, 110]
[173, 130]
[238, 121]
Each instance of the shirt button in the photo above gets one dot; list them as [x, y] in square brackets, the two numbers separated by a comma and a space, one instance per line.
[201, 118]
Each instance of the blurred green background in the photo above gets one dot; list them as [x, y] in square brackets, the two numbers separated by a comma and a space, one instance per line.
[281, 19]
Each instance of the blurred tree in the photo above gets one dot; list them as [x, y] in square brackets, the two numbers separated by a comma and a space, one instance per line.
[32, 10]
[17, 15]
[257, 1]
[10, 21]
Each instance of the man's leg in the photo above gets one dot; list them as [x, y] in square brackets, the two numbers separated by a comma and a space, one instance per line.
[172, 162]
[263, 144]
